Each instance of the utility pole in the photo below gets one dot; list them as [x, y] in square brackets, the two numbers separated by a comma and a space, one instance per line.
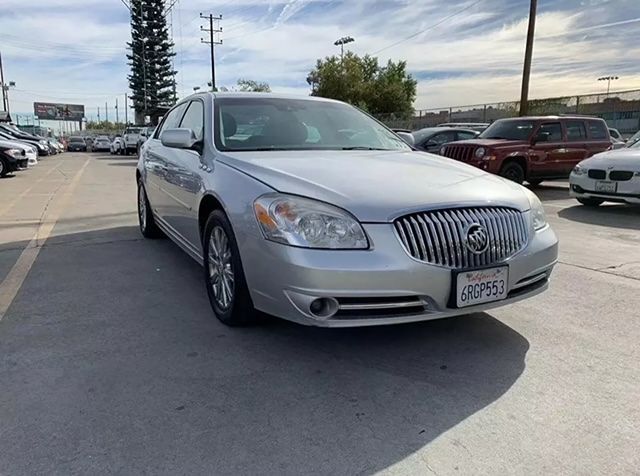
[98, 114]
[117, 118]
[211, 42]
[106, 112]
[126, 110]
[528, 53]
[5, 106]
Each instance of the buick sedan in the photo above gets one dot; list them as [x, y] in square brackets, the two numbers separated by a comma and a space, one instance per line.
[310, 210]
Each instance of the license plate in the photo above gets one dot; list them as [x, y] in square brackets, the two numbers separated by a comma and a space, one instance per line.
[608, 187]
[481, 286]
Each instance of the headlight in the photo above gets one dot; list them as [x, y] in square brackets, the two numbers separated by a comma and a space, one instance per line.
[15, 153]
[538, 216]
[480, 152]
[579, 170]
[308, 223]
[43, 142]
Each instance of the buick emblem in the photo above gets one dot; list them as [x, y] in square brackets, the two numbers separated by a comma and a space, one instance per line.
[477, 240]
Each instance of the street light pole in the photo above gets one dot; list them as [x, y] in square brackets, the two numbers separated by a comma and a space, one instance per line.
[341, 42]
[608, 79]
[528, 53]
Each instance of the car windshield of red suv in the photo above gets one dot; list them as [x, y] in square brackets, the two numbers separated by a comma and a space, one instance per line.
[508, 129]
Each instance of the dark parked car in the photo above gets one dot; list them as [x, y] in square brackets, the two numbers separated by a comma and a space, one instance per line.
[431, 139]
[11, 160]
[10, 132]
[533, 148]
[77, 144]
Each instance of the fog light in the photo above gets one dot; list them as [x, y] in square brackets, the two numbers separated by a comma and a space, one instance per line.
[323, 307]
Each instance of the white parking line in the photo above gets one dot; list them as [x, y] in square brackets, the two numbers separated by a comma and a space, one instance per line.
[13, 282]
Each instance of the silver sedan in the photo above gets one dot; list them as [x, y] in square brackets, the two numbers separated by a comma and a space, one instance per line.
[310, 210]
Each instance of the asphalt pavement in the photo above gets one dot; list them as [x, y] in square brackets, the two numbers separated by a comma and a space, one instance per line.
[111, 361]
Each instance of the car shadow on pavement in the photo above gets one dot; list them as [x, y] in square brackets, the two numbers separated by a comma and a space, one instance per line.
[609, 215]
[548, 191]
[112, 359]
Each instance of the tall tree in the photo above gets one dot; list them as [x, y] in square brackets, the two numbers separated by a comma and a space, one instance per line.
[253, 86]
[362, 82]
[151, 50]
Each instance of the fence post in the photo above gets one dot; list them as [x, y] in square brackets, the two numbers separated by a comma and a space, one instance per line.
[577, 104]
[484, 114]
[450, 113]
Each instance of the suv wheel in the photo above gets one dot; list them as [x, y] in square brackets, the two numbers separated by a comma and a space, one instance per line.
[146, 220]
[513, 171]
[4, 169]
[590, 202]
[223, 274]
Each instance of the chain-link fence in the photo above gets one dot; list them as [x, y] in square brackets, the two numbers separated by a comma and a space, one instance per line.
[621, 110]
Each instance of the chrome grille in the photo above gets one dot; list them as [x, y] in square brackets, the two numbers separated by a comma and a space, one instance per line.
[439, 236]
[459, 152]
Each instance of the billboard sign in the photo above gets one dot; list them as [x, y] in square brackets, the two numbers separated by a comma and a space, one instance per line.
[58, 112]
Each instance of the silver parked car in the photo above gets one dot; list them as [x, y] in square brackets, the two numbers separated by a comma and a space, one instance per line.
[310, 210]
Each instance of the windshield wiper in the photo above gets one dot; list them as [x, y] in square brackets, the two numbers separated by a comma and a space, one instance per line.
[359, 147]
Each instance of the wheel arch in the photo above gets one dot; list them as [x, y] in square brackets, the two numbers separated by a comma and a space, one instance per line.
[518, 159]
[208, 204]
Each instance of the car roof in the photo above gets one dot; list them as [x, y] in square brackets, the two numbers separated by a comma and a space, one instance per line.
[546, 118]
[250, 95]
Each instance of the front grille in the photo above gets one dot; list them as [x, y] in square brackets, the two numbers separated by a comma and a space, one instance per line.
[597, 174]
[439, 237]
[620, 175]
[459, 152]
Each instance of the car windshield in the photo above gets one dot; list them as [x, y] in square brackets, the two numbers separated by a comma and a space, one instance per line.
[76, 139]
[133, 130]
[422, 134]
[508, 129]
[250, 124]
[634, 139]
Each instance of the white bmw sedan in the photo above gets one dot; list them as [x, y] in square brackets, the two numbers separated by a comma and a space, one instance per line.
[612, 176]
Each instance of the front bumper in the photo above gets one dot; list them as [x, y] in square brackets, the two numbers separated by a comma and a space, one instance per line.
[284, 280]
[581, 186]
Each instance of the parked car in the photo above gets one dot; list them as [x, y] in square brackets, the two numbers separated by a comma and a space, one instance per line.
[12, 159]
[476, 126]
[612, 176]
[633, 139]
[10, 132]
[77, 144]
[431, 139]
[30, 151]
[325, 217]
[615, 134]
[116, 145]
[101, 143]
[533, 148]
[145, 133]
[130, 140]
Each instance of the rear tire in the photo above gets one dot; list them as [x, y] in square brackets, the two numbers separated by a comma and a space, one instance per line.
[591, 202]
[4, 168]
[513, 171]
[223, 274]
[146, 220]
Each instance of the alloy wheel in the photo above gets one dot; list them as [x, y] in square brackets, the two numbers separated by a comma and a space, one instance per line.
[221, 276]
[142, 207]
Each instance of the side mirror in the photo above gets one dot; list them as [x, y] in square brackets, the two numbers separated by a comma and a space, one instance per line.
[407, 137]
[179, 139]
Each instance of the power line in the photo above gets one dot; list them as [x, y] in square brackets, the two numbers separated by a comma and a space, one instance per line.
[430, 27]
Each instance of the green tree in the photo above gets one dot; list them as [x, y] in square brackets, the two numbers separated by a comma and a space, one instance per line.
[253, 86]
[152, 78]
[362, 82]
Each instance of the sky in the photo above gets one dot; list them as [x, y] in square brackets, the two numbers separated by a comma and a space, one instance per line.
[460, 51]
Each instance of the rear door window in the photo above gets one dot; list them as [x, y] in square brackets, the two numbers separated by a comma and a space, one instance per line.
[598, 130]
[576, 130]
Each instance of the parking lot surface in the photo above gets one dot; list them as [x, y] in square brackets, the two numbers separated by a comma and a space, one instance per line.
[112, 362]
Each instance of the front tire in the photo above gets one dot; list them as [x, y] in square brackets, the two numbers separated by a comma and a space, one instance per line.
[146, 220]
[4, 168]
[513, 171]
[223, 274]
[591, 202]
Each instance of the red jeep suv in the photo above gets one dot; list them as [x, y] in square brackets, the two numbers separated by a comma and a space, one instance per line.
[533, 148]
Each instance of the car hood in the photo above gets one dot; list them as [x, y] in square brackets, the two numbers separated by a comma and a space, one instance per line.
[620, 159]
[493, 143]
[378, 186]
[15, 145]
